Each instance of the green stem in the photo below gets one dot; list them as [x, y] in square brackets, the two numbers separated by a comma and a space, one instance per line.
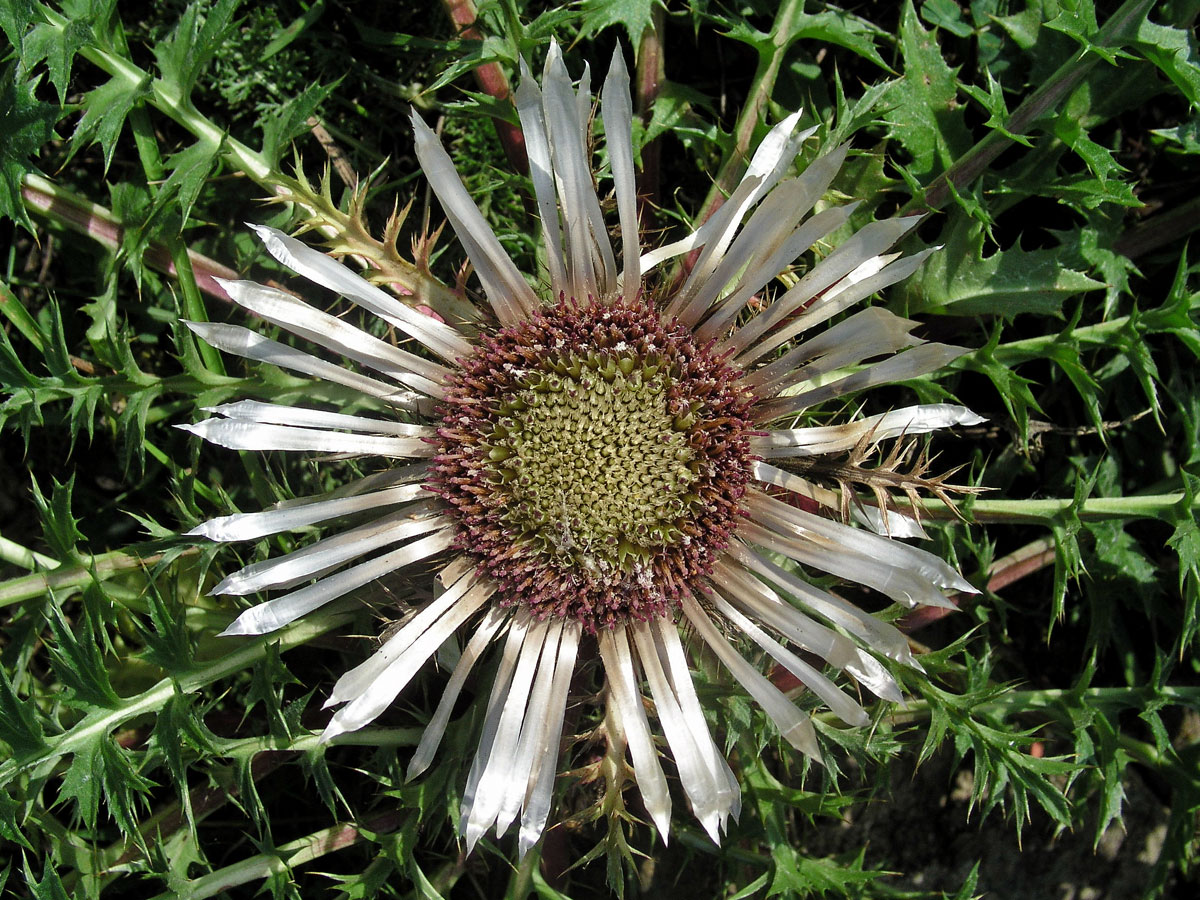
[1035, 347]
[754, 108]
[95, 568]
[1120, 27]
[1047, 512]
[105, 721]
[422, 287]
[364, 737]
[1050, 699]
[1016, 701]
[19, 555]
[152, 165]
[44, 197]
[285, 858]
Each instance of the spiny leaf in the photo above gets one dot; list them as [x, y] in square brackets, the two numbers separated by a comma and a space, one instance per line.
[19, 725]
[925, 115]
[1069, 130]
[168, 643]
[946, 14]
[635, 16]
[993, 101]
[959, 280]
[188, 50]
[104, 112]
[15, 18]
[1185, 541]
[83, 782]
[79, 662]
[289, 120]
[179, 730]
[1078, 22]
[125, 788]
[1174, 51]
[799, 875]
[11, 818]
[58, 46]
[49, 886]
[836, 26]
[58, 522]
[266, 687]
[27, 124]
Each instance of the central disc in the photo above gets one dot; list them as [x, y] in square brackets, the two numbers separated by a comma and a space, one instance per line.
[596, 467]
[594, 458]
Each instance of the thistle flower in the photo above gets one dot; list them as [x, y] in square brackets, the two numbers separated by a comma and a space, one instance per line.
[602, 466]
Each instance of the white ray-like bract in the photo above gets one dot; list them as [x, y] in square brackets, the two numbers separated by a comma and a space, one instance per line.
[565, 454]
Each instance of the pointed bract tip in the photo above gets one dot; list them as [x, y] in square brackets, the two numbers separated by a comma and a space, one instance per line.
[413, 772]
[331, 731]
[229, 586]
[663, 824]
[471, 834]
[617, 67]
[235, 629]
[789, 121]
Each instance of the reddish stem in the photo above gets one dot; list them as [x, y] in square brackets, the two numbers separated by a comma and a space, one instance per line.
[651, 72]
[101, 225]
[1003, 572]
[491, 80]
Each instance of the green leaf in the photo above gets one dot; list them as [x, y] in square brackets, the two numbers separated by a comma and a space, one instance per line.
[1013, 389]
[1069, 130]
[19, 726]
[58, 522]
[50, 886]
[672, 107]
[11, 818]
[298, 26]
[83, 783]
[635, 16]
[993, 101]
[104, 112]
[59, 46]
[1078, 22]
[189, 170]
[1185, 541]
[178, 729]
[924, 112]
[124, 786]
[800, 875]
[1174, 51]
[26, 124]
[946, 14]
[959, 280]
[1068, 559]
[78, 661]
[191, 46]
[836, 26]
[266, 687]
[290, 120]
[15, 18]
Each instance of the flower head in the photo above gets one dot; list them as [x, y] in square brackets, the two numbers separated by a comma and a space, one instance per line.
[603, 465]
